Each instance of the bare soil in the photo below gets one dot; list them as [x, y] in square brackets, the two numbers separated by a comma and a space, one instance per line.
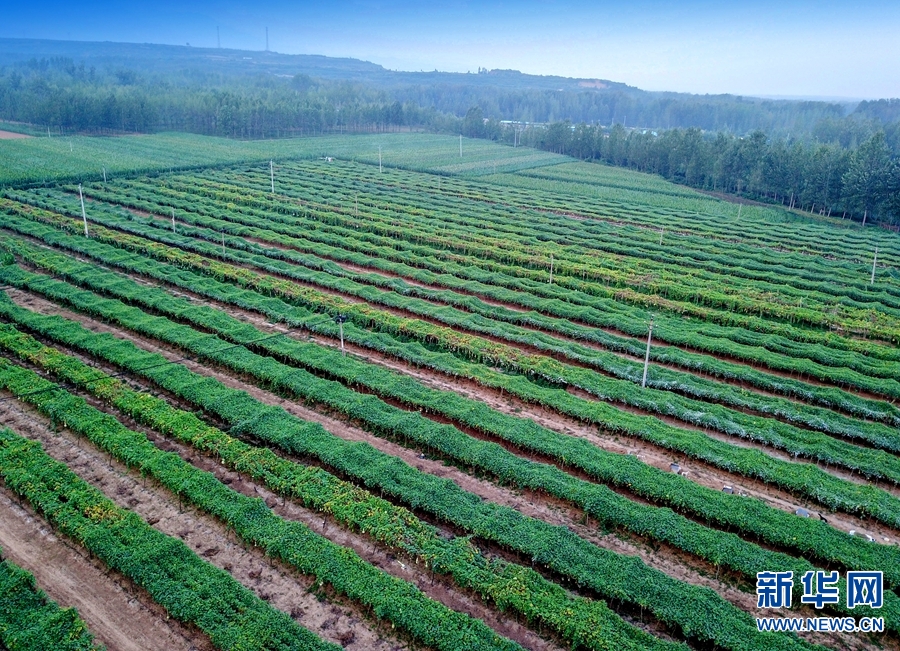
[12, 135]
[120, 616]
[667, 559]
[282, 587]
[440, 588]
[512, 306]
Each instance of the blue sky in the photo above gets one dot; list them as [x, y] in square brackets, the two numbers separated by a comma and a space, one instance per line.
[766, 47]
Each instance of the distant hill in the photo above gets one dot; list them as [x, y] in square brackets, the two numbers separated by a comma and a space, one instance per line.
[162, 58]
[498, 94]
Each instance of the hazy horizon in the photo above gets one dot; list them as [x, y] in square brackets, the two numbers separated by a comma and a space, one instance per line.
[794, 48]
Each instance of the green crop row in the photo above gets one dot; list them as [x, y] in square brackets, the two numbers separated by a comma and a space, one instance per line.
[608, 507]
[810, 537]
[804, 479]
[189, 588]
[611, 267]
[680, 241]
[292, 542]
[782, 232]
[783, 354]
[477, 349]
[577, 267]
[31, 621]
[345, 248]
[710, 219]
[698, 613]
[585, 623]
[406, 193]
[325, 273]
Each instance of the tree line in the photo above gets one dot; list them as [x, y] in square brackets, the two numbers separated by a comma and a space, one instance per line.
[854, 174]
[67, 97]
[832, 164]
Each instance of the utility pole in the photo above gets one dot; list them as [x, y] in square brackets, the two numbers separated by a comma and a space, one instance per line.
[874, 262]
[173, 220]
[460, 145]
[379, 158]
[551, 268]
[357, 204]
[340, 319]
[661, 231]
[740, 205]
[272, 175]
[104, 175]
[83, 214]
[647, 354]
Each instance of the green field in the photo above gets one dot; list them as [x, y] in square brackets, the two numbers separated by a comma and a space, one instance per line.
[440, 360]
[43, 160]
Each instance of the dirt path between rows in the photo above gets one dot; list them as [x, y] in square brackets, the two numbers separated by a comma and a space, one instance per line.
[439, 588]
[692, 469]
[669, 560]
[12, 135]
[120, 616]
[282, 587]
[676, 422]
[609, 330]
[402, 566]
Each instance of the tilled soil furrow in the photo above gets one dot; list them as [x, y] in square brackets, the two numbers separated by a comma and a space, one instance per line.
[120, 615]
[282, 587]
[557, 512]
[696, 470]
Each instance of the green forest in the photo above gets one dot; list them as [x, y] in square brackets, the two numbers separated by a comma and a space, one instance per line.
[859, 181]
[829, 159]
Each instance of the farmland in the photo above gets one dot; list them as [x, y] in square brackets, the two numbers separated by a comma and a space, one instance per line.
[379, 394]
